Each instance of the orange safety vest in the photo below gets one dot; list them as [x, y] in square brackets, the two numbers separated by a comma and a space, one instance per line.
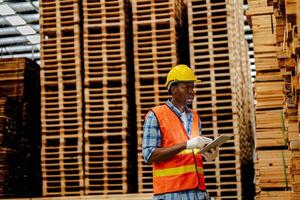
[184, 171]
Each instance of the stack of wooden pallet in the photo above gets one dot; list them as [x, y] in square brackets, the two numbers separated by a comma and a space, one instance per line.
[61, 111]
[85, 131]
[19, 128]
[85, 137]
[106, 106]
[277, 121]
[218, 54]
[156, 27]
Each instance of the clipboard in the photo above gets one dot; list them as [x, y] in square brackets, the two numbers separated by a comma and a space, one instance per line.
[216, 143]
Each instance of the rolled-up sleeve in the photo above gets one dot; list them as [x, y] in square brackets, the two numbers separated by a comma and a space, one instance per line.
[151, 136]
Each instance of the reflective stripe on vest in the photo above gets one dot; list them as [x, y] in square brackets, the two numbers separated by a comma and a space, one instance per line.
[177, 170]
[187, 151]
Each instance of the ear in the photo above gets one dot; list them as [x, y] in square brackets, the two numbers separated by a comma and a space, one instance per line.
[173, 89]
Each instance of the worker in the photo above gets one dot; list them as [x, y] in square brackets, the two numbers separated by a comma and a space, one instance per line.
[172, 141]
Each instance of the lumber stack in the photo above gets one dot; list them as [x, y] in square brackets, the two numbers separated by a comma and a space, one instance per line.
[106, 121]
[219, 56]
[157, 28]
[269, 97]
[19, 128]
[277, 117]
[61, 106]
[288, 57]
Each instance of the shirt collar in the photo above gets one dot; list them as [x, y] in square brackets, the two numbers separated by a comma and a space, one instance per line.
[178, 113]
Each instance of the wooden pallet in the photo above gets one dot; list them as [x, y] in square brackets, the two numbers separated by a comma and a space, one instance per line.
[105, 40]
[106, 165]
[99, 14]
[58, 15]
[62, 168]
[60, 58]
[147, 11]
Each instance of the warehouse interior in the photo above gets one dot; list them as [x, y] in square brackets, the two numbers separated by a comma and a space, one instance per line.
[77, 78]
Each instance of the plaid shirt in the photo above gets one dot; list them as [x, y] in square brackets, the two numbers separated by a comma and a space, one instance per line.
[152, 139]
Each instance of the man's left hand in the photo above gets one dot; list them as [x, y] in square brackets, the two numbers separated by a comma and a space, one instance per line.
[211, 154]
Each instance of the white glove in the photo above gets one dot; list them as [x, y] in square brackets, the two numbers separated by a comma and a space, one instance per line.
[210, 155]
[197, 142]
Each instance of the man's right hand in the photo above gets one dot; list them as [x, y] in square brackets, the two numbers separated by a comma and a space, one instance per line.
[197, 142]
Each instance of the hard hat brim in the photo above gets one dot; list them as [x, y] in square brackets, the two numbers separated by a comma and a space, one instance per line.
[176, 81]
[195, 81]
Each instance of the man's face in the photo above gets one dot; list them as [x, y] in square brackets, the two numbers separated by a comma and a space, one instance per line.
[184, 92]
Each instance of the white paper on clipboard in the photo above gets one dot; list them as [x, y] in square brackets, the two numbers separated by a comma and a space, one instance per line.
[216, 143]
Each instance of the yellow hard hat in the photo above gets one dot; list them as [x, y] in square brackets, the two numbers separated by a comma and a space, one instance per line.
[180, 73]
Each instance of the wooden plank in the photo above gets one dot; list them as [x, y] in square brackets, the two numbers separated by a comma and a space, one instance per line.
[270, 168]
[268, 119]
[269, 138]
[290, 7]
[257, 4]
[276, 195]
[259, 10]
